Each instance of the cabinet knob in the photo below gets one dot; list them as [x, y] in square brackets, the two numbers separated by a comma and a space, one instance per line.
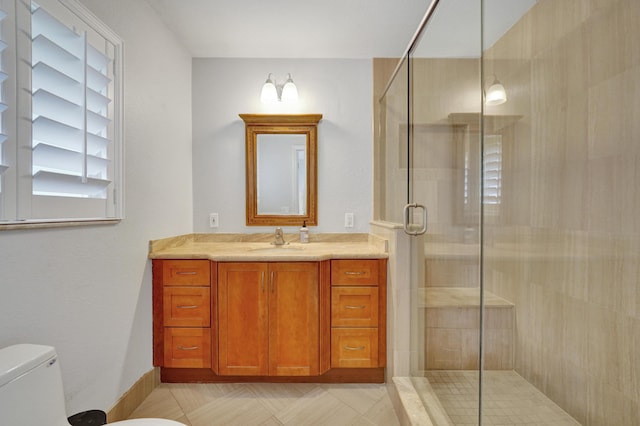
[186, 273]
[354, 273]
[354, 307]
[186, 306]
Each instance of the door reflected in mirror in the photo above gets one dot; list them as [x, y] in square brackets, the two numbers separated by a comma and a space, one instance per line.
[281, 169]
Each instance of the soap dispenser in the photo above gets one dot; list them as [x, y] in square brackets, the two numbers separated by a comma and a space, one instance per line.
[304, 233]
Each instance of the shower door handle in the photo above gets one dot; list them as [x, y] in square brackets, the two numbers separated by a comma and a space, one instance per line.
[407, 211]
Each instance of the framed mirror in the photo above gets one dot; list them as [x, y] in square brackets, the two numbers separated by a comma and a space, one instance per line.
[281, 162]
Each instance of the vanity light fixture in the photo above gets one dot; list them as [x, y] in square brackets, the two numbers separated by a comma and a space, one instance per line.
[272, 92]
[496, 95]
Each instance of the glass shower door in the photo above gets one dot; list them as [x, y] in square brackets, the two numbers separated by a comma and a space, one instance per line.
[444, 175]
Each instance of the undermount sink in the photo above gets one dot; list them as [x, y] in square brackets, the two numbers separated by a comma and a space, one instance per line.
[276, 249]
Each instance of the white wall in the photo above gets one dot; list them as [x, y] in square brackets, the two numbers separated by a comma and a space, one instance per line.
[340, 89]
[87, 290]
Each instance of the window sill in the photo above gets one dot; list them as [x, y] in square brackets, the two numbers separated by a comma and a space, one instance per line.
[34, 224]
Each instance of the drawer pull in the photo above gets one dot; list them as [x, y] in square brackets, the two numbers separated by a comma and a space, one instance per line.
[354, 307]
[354, 273]
[191, 348]
[187, 273]
[186, 306]
[351, 348]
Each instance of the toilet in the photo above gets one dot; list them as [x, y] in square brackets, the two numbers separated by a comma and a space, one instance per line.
[31, 392]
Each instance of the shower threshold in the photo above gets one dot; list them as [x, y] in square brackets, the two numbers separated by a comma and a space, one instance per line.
[507, 399]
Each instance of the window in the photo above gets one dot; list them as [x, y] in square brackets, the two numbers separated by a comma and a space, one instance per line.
[62, 159]
[492, 159]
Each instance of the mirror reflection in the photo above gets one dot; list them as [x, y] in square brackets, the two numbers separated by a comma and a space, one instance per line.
[282, 174]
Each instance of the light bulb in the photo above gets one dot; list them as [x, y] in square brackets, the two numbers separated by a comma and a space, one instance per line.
[289, 91]
[496, 95]
[269, 93]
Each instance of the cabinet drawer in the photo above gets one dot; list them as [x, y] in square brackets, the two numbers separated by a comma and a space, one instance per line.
[187, 347]
[354, 307]
[354, 272]
[186, 306]
[354, 347]
[186, 272]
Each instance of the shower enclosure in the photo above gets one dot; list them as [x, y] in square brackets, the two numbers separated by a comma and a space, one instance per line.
[508, 146]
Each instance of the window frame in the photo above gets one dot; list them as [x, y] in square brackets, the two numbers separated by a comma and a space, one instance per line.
[21, 215]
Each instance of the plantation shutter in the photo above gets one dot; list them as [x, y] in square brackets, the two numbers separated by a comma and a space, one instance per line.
[492, 179]
[70, 90]
[61, 115]
[72, 132]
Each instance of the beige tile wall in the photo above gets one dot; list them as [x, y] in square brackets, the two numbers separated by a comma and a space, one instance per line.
[571, 204]
[565, 244]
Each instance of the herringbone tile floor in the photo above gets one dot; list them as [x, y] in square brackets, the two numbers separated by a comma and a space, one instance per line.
[267, 404]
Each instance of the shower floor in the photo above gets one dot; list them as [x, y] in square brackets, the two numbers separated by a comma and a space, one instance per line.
[507, 399]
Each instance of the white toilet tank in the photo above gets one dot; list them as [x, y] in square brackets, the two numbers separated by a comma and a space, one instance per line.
[31, 391]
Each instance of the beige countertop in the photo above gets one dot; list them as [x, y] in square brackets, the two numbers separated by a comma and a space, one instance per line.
[257, 247]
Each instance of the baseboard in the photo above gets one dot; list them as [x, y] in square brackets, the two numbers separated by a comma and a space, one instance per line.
[334, 375]
[134, 396]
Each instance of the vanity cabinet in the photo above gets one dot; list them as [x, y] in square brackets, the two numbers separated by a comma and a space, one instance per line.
[182, 313]
[358, 319]
[268, 319]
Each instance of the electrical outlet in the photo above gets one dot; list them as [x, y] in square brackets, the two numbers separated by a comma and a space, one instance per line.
[213, 220]
[348, 220]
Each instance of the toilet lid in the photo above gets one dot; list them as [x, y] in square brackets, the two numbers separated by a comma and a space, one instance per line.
[147, 422]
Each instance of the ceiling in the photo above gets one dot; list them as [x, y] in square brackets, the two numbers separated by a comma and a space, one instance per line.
[320, 28]
[292, 28]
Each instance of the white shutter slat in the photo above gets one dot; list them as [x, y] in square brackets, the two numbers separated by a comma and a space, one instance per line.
[56, 108]
[97, 102]
[45, 182]
[96, 123]
[45, 50]
[58, 134]
[43, 24]
[54, 133]
[97, 145]
[55, 159]
[97, 60]
[96, 80]
[46, 77]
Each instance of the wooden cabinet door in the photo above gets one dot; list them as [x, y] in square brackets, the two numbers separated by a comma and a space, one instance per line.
[243, 319]
[294, 342]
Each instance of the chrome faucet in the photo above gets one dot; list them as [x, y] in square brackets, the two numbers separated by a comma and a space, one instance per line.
[279, 241]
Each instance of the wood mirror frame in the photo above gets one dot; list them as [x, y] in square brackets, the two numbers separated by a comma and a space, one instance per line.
[284, 124]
